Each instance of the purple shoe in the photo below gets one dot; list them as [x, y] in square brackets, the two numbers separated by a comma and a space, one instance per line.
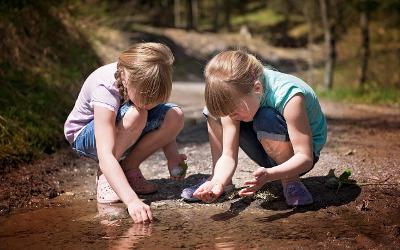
[296, 194]
[187, 193]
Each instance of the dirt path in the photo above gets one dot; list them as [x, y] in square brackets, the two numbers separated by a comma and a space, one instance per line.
[58, 195]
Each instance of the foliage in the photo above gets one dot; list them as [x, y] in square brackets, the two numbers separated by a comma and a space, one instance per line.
[44, 59]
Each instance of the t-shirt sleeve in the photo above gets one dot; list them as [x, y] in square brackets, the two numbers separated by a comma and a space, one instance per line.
[284, 94]
[103, 97]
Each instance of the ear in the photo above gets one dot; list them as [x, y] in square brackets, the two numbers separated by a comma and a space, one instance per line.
[258, 88]
[125, 77]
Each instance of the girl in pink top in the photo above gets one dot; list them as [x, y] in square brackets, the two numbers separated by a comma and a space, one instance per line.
[121, 117]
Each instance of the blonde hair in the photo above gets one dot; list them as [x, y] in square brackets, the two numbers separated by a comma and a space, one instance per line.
[150, 72]
[230, 75]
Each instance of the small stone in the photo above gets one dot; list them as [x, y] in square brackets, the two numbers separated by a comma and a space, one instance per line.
[52, 193]
[176, 171]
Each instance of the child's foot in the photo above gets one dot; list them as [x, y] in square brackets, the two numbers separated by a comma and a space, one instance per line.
[176, 171]
[105, 193]
[296, 194]
[138, 183]
[187, 193]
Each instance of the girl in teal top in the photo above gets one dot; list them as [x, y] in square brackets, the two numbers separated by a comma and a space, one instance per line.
[274, 117]
[279, 88]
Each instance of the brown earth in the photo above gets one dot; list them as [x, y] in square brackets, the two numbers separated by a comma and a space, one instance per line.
[53, 200]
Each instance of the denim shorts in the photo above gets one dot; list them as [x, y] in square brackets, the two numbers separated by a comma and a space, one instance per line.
[85, 143]
[267, 123]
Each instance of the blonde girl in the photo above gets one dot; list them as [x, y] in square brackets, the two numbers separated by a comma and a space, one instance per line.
[121, 117]
[274, 117]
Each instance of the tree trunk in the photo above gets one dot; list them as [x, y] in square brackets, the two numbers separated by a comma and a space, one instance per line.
[177, 14]
[309, 15]
[216, 16]
[189, 15]
[195, 13]
[227, 6]
[330, 41]
[364, 20]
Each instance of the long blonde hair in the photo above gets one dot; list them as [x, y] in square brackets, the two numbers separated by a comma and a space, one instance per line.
[230, 75]
[149, 66]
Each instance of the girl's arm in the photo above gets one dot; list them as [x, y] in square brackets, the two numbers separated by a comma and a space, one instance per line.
[105, 134]
[300, 136]
[226, 164]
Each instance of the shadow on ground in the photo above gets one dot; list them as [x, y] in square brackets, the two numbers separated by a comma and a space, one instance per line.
[323, 195]
[170, 189]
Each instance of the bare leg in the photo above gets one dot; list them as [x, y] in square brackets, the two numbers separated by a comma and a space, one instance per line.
[159, 138]
[280, 152]
[129, 129]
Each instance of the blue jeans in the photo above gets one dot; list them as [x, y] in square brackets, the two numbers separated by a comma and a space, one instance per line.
[85, 143]
[267, 124]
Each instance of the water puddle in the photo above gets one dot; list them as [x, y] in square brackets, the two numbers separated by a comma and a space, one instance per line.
[84, 225]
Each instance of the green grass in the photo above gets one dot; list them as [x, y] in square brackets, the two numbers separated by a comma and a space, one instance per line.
[32, 124]
[369, 95]
[39, 83]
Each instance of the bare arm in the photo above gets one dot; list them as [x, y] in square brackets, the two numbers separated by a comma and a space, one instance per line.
[226, 164]
[300, 136]
[105, 134]
[301, 140]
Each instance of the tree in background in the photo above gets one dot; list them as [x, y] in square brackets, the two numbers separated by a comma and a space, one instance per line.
[365, 8]
[310, 13]
[329, 26]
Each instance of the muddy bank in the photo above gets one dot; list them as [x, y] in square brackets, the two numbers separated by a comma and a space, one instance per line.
[82, 224]
[52, 202]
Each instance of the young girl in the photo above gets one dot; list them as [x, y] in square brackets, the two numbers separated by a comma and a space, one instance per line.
[120, 118]
[274, 117]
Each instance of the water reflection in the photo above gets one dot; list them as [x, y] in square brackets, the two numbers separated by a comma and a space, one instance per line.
[135, 234]
[111, 216]
[225, 242]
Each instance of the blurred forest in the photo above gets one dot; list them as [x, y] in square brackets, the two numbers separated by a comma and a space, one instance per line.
[347, 50]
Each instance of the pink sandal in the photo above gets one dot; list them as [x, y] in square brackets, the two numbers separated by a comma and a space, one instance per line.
[138, 183]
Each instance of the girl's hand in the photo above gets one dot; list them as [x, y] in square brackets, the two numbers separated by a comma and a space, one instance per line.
[140, 212]
[209, 191]
[261, 177]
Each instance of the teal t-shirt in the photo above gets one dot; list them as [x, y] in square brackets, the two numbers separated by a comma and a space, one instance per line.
[279, 88]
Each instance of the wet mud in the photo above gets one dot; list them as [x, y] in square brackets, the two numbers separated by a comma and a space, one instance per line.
[82, 224]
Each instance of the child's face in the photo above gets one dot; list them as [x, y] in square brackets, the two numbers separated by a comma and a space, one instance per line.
[132, 97]
[248, 105]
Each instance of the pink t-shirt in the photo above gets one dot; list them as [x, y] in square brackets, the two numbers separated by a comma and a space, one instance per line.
[99, 90]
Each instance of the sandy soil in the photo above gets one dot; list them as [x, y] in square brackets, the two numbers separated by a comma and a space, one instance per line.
[361, 137]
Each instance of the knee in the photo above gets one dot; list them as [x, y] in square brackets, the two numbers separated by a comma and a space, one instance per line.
[270, 121]
[174, 118]
[134, 119]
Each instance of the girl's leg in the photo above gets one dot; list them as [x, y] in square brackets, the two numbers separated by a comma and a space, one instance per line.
[279, 151]
[163, 137]
[129, 129]
[272, 133]
[271, 130]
